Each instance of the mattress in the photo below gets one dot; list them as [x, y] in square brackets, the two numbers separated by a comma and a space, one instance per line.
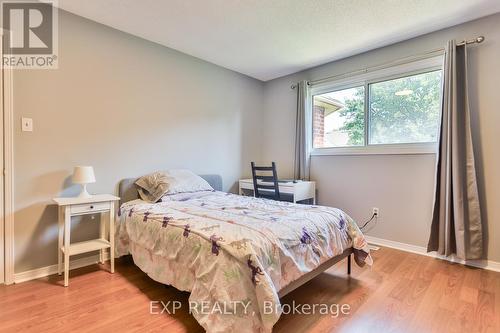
[233, 252]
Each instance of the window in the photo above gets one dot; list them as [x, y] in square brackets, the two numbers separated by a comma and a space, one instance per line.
[339, 118]
[390, 111]
[405, 110]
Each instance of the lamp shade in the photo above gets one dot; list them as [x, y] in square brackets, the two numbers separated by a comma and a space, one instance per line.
[83, 175]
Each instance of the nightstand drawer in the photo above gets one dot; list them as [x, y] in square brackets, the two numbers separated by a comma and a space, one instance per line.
[89, 208]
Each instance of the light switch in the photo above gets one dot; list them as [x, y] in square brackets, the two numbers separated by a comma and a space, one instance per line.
[27, 124]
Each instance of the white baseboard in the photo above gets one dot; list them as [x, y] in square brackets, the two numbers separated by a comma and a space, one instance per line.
[486, 264]
[49, 270]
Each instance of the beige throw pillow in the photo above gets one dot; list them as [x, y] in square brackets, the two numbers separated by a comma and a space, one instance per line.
[153, 186]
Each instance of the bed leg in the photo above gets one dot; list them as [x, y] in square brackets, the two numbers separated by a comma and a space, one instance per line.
[349, 265]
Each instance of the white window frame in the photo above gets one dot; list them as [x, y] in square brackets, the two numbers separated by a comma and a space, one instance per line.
[365, 79]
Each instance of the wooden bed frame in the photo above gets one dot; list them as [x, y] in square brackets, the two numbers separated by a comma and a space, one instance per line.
[128, 191]
[317, 271]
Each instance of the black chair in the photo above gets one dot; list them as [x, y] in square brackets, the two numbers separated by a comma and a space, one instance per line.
[270, 190]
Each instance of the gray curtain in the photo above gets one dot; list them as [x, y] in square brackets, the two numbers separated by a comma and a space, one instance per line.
[456, 222]
[302, 158]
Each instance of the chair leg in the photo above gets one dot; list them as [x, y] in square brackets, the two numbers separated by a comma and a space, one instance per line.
[349, 265]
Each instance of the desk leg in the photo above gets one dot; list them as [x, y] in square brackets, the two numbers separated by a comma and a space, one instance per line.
[102, 235]
[60, 228]
[67, 232]
[314, 193]
[112, 236]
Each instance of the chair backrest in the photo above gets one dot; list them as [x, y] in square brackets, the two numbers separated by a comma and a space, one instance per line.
[270, 189]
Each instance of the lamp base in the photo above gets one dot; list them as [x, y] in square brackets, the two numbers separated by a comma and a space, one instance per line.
[84, 193]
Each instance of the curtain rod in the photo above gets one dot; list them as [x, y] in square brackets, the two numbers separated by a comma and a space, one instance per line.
[400, 61]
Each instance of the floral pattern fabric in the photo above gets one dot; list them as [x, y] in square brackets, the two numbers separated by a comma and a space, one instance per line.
[225, 248]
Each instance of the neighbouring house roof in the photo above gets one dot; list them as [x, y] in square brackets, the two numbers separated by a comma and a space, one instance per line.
[329, 104]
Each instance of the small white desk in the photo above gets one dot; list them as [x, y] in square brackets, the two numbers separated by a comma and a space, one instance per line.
[69, 207]
[301, 190]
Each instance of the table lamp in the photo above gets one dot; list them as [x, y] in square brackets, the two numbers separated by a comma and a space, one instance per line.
[83, 175]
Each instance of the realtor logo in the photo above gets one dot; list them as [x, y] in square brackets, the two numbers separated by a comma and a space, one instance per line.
[29, 35]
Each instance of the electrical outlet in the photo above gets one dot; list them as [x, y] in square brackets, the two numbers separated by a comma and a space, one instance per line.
[376, 211]
[27, 124]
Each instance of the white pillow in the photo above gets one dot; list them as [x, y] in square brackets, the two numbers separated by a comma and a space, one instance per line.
[183, 180]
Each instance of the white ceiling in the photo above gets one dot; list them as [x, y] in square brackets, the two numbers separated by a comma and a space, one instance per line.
[266, 39]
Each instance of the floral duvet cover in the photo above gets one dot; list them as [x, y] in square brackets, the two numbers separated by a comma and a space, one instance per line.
[233, 253]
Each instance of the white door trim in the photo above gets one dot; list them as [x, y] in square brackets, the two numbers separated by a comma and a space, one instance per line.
[2, 219]
[9, 175]
[8, 172]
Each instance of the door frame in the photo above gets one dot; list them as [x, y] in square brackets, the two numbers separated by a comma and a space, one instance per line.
[2, 215]
[7, 176]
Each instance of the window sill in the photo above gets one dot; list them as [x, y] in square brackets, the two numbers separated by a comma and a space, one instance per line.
[391, 149]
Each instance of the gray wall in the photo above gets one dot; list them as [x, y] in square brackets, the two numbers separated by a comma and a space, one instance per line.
[127, 107]
[400, 185]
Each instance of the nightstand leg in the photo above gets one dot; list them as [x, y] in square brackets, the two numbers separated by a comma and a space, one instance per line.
[102, 235]
[112, 237]
[67, 230]
[60, 226]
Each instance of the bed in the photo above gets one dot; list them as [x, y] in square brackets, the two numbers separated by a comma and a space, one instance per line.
[237, 256]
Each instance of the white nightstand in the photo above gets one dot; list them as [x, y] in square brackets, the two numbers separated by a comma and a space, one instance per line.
[68, 207]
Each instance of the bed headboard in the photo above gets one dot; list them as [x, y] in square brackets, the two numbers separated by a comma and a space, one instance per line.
[127, 190]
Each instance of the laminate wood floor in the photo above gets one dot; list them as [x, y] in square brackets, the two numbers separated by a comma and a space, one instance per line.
[402, 292]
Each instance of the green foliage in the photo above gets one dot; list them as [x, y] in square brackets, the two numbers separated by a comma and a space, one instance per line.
[393, 118]
[354, 114]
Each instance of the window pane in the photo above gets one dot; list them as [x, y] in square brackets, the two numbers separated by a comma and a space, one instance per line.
[338, 118]
[405, 110]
